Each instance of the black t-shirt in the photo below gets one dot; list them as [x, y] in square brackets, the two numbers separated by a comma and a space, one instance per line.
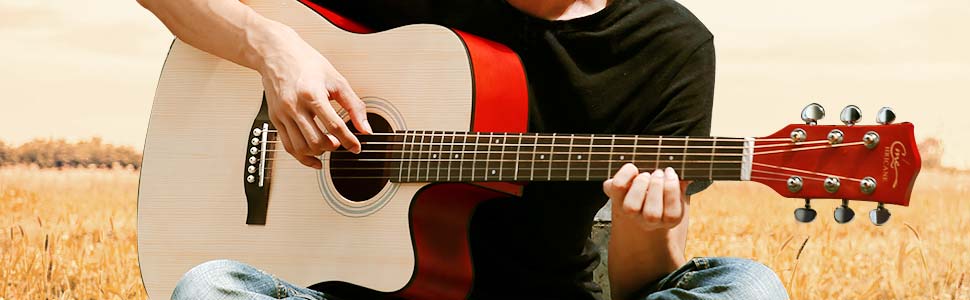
[635, 67]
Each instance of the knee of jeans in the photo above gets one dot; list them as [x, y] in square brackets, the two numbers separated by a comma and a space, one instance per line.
[754, 280]
[211, 279]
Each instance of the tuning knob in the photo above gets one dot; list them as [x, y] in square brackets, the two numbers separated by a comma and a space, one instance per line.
[843, 214]
[805, 214]
[885, 116]
[880, 215]
[850, 115]
[812, 113]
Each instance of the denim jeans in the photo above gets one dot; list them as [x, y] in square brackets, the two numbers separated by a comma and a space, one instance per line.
[700, 278]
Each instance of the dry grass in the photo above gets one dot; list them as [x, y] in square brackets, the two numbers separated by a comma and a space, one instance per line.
[68, 234]
[71, 235]
[923, 253]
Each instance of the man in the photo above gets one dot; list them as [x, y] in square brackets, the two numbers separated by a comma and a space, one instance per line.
[594, 66]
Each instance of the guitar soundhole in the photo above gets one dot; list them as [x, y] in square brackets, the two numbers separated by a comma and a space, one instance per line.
[360, 177]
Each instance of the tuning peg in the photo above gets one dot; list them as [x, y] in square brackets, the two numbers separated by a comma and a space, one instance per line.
[885, 116]
[812, 113]
[805, 214]
[843, 214]
[880, 215]
[850, 115]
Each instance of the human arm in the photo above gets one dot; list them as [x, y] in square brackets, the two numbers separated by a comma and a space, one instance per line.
[298, 80]
[647, 244]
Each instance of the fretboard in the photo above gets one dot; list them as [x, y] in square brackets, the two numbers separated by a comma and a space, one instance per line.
[436, 156]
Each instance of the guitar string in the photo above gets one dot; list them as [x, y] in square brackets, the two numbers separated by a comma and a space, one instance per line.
[429, 151]
[541, 136]
[443, 144]
[759, 164]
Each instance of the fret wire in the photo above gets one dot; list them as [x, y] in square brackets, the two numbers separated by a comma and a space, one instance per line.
[409, 154]
[518, 150]
[535, 146]
[421, 157]
[635, 141]
[684, 157]
[711, 173]
[551, 149]
[475, 155]
[589, 155]
[612, 143]
[437, 174]
[505, 138]
[569, 156]
[659, 147]
[461, 166]
[451, 149]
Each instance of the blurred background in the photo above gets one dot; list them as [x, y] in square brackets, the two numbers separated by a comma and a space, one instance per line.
[73, 71]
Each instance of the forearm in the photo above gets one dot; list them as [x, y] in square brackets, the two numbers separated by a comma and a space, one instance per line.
[225, 28]
[638, 257]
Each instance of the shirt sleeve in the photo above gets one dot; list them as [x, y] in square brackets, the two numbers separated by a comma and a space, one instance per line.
[691, 99]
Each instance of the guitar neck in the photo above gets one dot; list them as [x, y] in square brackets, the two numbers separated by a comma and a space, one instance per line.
[421, 156]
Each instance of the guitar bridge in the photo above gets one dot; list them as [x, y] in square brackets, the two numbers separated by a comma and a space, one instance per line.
[256, 170]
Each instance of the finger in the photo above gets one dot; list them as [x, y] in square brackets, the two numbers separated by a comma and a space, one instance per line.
[334, 124]
[344, 95]
[617, 186]
[673, 207]
[608, 188]
[283, 136]
[317, 141]
[653, 204]
[633, 201]
[299, 146]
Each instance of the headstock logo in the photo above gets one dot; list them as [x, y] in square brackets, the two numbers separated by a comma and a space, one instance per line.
[891, 161]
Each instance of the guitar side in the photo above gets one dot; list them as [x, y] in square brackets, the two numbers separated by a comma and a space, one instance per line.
[192, 203]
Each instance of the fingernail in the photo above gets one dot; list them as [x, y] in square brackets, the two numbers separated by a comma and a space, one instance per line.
[658, 173]
[670, 172]
[367, 128]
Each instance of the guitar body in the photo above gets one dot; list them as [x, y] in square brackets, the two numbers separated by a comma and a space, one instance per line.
[450, 112]
[408, 240]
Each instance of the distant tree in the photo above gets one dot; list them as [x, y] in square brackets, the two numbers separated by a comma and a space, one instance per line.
[931, 150]
[50, 153]
[4, 154]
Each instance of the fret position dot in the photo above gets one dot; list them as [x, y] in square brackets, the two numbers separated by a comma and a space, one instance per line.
[493, 172]
[542, 157]
[456, 155]
[579, 157]
[434, 155]
[670, 157]
[622, 157]
[496, 141]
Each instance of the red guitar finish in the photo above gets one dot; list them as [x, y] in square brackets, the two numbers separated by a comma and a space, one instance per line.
[893, 163]
[443, 259]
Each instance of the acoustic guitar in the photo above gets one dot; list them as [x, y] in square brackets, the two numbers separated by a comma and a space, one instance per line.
[449, 110]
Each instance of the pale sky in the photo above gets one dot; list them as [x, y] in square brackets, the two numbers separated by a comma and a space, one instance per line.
[89, 68]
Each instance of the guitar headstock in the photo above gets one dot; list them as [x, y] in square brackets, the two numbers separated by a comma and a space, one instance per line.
[874, 163]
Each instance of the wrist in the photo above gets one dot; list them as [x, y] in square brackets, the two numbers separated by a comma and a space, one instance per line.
[265, 42]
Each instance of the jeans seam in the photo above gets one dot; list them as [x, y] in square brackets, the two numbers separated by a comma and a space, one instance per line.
[276, 281]
[701, 263]
[683, 280]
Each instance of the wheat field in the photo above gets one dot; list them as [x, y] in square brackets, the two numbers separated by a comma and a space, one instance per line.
[71, 234]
